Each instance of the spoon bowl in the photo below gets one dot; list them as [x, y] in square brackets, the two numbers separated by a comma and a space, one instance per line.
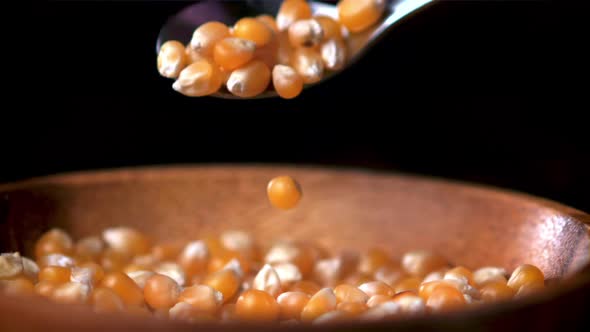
[181, 26]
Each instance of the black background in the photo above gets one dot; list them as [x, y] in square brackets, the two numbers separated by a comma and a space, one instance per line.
[484, 91]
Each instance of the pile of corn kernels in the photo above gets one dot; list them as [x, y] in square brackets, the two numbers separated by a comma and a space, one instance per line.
[233, 278]
[295, 49]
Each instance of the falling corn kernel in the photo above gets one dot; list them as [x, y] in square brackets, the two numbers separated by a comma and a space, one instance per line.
[283, 192]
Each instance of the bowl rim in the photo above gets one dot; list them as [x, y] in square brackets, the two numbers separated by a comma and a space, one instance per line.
[104, 175]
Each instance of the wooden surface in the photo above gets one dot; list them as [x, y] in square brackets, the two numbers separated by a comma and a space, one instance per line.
[471, 225]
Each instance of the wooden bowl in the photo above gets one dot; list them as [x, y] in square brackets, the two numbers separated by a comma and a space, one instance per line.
[472, 225]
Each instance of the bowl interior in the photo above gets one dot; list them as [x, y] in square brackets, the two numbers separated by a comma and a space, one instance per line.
[472, 226]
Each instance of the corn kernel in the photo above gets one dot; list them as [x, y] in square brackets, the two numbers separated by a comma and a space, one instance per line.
[373, 260]
[11, 265]
[267, 280]
[45, 288]
[231, 53]
[225, 281]
[306, 286]
[207, 35]
[249, 80]
[140, 277]
[89, 248]
[202, 297]
[306, 33]
[445, 298]
[254, 30]
[333, 53]
[126, 240]
[286, 81]
[358, 15]
[320, 303]
[173, 271]
[352, 308]
[420, 263]
[161, 292]
[389, 274]
[124, 287]
[378, 299]
[171, 59]
[291, 11]
[166, 251]
[382, 311]
[309, 64]
[460, 273]
[407, 284]
[526, 275]
[409, 302]
[194, 258]
[349, 293]
[55, 241]
[57, 274]
[283, 192]
[496, 291]
[105, 300]
[292, 304]
[257, 305]
[201, 78]
[71, 292]
[377, 288]
[485, 275]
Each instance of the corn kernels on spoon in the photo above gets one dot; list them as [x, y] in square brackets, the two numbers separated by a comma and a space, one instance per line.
[180, 27]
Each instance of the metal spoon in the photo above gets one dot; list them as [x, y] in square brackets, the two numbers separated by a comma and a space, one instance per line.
[181, 26]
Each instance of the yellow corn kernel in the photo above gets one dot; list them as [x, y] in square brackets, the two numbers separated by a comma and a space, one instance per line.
[161, 292]
[232, 53]
[254, 30]
[56, 274]
[200, 78]
[283, 192]
[292, 304]
[291, 11]
[445, 298]
[55, 241]
[286, 81]
[309, 64]
[204, 298]
[124, 287]
[226, 281]
[257, 305]
[349, 293]
[419, 263]
[319, 304]
[526, 275]
[333, 53]
[306, 33]
[105, 300]
[249, 80]
[377, 288]
[496, 291]
[358, 15]
[127, 240]
[206, 36]
[171, 59]
[352, 308]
